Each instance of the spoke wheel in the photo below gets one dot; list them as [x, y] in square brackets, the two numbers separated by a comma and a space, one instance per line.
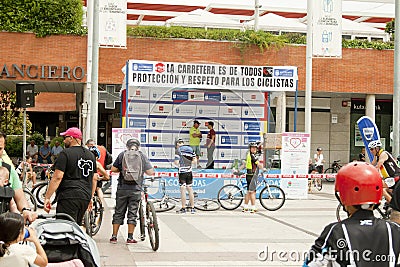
[142, 223]
[86, 224]
[330, 171]
[152, 226]
[32, 203]
[163, 205]
[96, 215]
[272, 197]
[230, 196]
[41, 194]
[206, 204]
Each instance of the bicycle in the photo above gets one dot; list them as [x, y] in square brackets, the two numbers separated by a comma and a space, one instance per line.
[333, 169]
[41, 190]
[315, 182]
[383, 213]
[30, 198]
[271, 197]
[148, 218]
[92, 219]
[167, 202]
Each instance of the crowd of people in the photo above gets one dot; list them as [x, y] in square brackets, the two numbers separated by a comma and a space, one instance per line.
[359, 187]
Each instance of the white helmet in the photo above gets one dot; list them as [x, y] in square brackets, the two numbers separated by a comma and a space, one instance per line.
[374, 144]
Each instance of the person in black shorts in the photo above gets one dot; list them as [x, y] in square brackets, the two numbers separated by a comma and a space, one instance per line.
[183, 159]
[73, 177]
[252, 165]
[361, 239]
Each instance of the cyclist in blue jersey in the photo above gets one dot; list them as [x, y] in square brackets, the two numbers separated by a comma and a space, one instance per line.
[184, 156]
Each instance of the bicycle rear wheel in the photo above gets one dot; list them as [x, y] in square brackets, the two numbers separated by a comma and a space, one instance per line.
[230, 196]
[152, 226]
[330, 171]
[96, 215]
[41, 194]
[32, 203]
[163, 205]
[272, 197]
[206, 204]
[142, 223]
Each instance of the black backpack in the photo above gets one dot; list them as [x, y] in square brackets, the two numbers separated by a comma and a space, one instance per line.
[6, 195]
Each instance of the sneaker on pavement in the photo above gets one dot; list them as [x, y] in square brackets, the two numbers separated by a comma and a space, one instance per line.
[253, 210]
[131, 241]
[113, 240]
[182, 210]
[245, 209]
[193, 210]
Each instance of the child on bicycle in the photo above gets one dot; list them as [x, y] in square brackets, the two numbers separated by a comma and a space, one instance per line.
[361, 239]
[29, 173]
[101, 174]
[11, 252]
[251, 177]
[184, 158]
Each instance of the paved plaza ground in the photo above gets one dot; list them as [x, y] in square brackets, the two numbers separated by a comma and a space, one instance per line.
[225, 238]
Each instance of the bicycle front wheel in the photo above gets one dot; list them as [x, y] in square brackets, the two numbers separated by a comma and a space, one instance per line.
[272, 197]
[330, 171]
[163, 205]
[318, 183]
[230, 196]
[152, 226]
[341, 214]
[96, 215]
[86, 224]
[206, 204]
[32, 203]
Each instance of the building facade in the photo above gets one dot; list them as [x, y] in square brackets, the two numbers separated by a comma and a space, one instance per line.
[342, 88]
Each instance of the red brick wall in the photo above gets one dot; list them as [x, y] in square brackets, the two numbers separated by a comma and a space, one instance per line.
[359, 71]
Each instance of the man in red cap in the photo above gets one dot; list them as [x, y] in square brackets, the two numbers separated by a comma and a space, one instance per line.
[73, 177]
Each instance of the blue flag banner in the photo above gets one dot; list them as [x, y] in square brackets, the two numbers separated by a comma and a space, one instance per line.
[369, 132]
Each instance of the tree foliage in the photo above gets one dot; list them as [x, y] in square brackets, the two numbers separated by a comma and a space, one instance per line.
[12, 118]
[42, 17]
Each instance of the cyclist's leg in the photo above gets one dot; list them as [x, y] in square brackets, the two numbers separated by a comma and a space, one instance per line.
[189, 182]
[182, 187]
[385, 192]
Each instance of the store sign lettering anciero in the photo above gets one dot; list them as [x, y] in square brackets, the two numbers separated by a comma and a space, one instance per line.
[42, 72]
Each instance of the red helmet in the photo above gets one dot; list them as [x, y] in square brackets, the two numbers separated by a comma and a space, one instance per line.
[358, 183]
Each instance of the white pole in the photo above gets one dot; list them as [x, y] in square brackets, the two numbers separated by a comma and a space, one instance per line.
[86, 94]
[308, 68]
[95, 71]
[396, 93]
[256, 14]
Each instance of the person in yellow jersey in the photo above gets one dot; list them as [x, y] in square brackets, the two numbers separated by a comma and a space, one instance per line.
[195, 139]
[386, 165]
[252, 163]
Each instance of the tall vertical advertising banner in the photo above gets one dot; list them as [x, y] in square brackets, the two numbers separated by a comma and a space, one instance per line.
[293, 161]
[112, 23]
[327, 28]
[369, 132]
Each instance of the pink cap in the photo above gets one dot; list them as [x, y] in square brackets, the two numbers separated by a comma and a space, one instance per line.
[73, 132]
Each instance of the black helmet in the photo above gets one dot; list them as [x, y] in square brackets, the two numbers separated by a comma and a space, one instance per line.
[132, 142]
[95, 151]
[253, 144]
[319, 148]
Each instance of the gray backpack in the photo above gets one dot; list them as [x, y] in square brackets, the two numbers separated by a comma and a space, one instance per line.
[132, 167]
